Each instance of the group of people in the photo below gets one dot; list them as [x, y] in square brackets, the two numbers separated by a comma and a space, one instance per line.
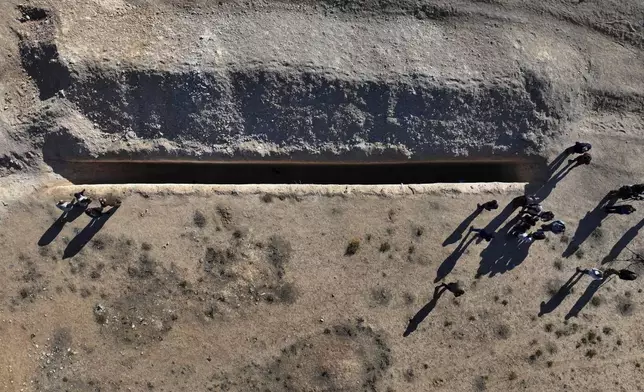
[83, 202]
[584, 157]
[532, 213]
[626, 192]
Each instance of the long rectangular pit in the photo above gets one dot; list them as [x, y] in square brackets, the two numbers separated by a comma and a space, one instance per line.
[143, 172]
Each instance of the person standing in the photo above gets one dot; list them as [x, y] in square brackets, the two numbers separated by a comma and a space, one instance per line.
[556, 227]
[580, 148]
[483, 234]
[594, 273]
[488, 206]
[81, 198]
[583, 159]
[65, 206]
[534, 209]
[454, 288]
[538, 235]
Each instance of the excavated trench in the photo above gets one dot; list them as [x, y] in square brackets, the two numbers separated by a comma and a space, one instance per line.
[128, 172]
[249, 123]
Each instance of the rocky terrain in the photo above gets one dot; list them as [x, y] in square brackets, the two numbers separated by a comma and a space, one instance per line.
[299, 287]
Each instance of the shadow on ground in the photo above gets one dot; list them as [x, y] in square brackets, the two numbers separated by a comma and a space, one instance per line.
[82, 238]
[424, 311]
[589, 223]
[504, 252]
[585, 298]
[626, 239]
[541, 189]
[557, 299]
[457, 234]
[52, 232]
[448, 264]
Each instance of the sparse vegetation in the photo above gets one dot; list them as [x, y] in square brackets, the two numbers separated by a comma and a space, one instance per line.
[580, 253]
[279, 253]
[625, 307]
[225, 215]
[267, 198]
[558, 264]
[512, 376]
[502, 331]
[385, 247]
[553, 286]
[199, 219]
[98, 243]
[409, 298]
[548, 327]
[146, 246]
[409, 375]
[551, 348]
[591, 353]
[100, 314]
[596, 301]
[287, 293]
[480, 383]
[597, 234]
[352, 248]
[146, 267]
[381, 295]
[592, 337]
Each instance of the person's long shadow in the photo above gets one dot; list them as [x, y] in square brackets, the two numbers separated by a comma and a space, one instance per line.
[589, 223]
[504, 252]
[545, 189]
[585, 298]
[458, 232]
[424, 311]
[561, 158]
[500, 218]
[623, 242]
[557, 299]
[82, 238]
[448, 264]
[52, 232]
[542, 187]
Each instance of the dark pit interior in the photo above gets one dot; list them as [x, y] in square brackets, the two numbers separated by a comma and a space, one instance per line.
[122, 172]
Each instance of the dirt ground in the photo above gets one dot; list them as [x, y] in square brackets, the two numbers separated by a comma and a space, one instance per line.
[304, 287]
[241, 289]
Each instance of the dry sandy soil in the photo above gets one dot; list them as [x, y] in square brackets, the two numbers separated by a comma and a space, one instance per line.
[317, 288]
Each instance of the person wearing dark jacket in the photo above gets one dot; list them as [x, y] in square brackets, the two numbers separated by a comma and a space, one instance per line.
[580, 148]
[583, 159]
[489, 206]
[454, 288]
